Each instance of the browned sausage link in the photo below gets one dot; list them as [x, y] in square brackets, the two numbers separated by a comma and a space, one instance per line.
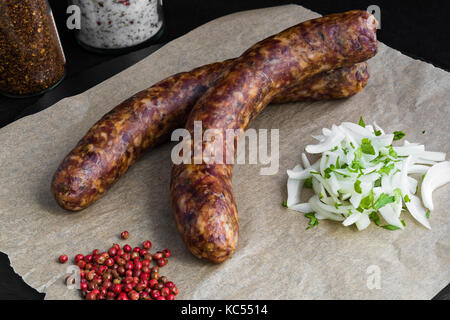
[113, 144]
[336, 84]
[202, 199]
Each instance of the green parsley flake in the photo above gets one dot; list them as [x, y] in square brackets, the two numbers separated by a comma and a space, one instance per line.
[327, 172]
[392, 152]
[386, 169]
[390, 227]
[407, 199]
[399, 135]
[313, 222]
[308, 183]
[361, 122]
[377, 183]
[356, 165]
[398, 192]
[383, 200]
[358, 186]
[366, 146]
[367, 202]
[375, 217]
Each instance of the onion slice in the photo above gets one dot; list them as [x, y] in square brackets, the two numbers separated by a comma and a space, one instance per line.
[436, 176]
[418, 211]
[294, 187]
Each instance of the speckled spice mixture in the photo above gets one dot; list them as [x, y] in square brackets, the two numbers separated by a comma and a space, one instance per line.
[31, 58]
[117, 24]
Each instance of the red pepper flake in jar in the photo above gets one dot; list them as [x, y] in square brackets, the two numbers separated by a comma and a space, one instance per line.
[31, 57]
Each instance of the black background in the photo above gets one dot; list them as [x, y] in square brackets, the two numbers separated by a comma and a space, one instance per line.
[420, 29]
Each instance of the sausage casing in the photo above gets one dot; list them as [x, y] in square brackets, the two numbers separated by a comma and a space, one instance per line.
[147, 119]
[202, 200]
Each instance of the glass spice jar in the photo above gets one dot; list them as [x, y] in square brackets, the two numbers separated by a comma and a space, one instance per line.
[31, 57]
[116, 26]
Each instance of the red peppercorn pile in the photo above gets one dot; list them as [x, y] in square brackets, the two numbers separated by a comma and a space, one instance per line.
[125, 274]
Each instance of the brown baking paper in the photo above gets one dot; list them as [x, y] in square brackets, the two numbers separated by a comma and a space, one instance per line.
[276, 257]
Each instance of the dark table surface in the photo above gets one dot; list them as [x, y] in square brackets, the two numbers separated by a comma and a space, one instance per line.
[420, 29]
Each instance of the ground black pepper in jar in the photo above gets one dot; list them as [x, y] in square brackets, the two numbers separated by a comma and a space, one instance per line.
[31, 56]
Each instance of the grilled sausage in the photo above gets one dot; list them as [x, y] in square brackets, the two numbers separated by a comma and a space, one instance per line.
[335, 84]
[202, 200]
[147, 119]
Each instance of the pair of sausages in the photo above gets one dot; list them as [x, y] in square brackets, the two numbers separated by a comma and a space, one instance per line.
[202, 199]
[318, 59]
[148, 118]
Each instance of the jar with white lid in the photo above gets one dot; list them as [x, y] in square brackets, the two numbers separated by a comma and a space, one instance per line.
[114, 26]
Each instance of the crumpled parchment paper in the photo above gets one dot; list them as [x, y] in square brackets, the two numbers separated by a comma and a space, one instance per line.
[276, 257]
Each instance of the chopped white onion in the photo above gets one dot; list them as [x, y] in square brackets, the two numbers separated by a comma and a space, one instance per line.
[352, 219]
[363, 222]
[418, 169]
[326, 145]
[294, 187]
[437, 176]
[360, 174]
[418, 211]
[314, 201]
[299, 175]
[305, 161]
[302, 207]
[391, 216]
